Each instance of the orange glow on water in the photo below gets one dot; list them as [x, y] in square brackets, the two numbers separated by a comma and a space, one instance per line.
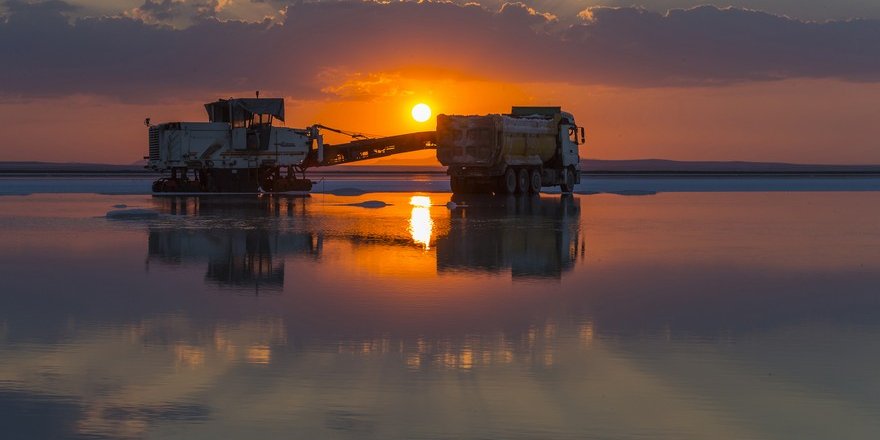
[259, 354]
[421, 225]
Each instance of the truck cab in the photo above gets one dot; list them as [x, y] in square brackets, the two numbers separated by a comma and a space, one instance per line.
[570, 137]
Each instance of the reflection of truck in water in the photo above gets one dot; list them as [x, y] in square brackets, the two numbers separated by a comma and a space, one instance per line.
[530, 148]
[533, 237]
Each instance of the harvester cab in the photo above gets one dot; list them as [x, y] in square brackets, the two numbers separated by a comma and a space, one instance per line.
[251, 120]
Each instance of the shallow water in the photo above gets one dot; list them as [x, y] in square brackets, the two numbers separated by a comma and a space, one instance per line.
[11, 184]
[742, 315]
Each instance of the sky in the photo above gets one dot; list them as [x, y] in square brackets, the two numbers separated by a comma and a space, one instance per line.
[759, 80]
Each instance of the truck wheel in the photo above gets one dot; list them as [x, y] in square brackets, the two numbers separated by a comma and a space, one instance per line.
[467, 186]
[455, 184]
[535, 182]
[567, 185]
[509, 181]
[522, 181]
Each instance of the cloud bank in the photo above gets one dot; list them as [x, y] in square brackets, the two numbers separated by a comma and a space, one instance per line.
[141, 56]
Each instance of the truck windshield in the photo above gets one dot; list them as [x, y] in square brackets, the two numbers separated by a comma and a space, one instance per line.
[573, 133]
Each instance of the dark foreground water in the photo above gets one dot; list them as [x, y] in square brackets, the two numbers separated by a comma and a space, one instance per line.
[671, 316]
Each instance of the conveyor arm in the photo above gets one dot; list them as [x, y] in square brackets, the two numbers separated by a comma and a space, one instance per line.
[371, 149]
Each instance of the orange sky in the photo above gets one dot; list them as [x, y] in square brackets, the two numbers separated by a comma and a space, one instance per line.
[701, 83]
[807, 121]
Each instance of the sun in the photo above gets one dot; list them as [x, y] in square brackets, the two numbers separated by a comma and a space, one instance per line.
[421, 112]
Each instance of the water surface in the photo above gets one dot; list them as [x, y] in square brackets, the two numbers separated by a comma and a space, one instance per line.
[742, 315]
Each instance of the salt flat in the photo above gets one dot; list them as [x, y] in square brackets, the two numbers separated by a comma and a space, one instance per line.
[607, 316]
[432, 182]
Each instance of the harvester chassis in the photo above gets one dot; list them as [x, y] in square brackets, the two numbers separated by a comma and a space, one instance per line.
[266, 179]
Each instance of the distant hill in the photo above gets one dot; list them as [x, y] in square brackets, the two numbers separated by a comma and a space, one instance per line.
[69, 167]
[643, 166]
[661, 166]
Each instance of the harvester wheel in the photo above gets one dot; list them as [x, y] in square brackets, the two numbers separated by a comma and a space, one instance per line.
[508, 182]
[567, 185]
[535, 182]
[522, 181]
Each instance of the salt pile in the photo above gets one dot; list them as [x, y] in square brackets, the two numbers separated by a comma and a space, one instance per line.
[347, 192]
[370, 204]
[131, 214]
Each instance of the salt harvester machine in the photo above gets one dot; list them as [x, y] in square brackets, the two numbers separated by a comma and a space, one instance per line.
[242, 149]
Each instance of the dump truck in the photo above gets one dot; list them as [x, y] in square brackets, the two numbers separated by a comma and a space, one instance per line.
[520, 152]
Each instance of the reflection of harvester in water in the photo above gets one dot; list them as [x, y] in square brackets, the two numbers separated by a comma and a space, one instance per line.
[533, 237]
[243, 258]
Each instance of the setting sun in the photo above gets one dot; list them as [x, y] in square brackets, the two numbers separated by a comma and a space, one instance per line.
[421, 112]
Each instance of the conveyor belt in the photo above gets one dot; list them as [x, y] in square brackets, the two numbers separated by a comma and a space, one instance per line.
[372, 148]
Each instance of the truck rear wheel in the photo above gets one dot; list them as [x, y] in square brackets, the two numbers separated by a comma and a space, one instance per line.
[508, 182]
[522, 181]
[535, 182]
[456, 184]
[567, 185]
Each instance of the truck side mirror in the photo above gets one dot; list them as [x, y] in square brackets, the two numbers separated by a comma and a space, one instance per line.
[583, 139]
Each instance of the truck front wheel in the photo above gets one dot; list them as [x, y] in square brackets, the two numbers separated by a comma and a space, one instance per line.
[567, 185]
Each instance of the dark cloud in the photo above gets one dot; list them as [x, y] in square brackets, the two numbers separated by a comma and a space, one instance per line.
[46, 54]
[175, 12]
[711, 45]
[158, 10]
[48, 12]
[22, 6]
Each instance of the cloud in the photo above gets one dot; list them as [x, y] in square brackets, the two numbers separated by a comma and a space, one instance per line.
[35, 6]
[710, 45]
[46, 11]
[527, 16]
[140, 57]
[178, 13]
[175, 12]
[362, 87]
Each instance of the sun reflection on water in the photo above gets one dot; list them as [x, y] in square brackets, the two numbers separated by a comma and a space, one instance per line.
[420, 224]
